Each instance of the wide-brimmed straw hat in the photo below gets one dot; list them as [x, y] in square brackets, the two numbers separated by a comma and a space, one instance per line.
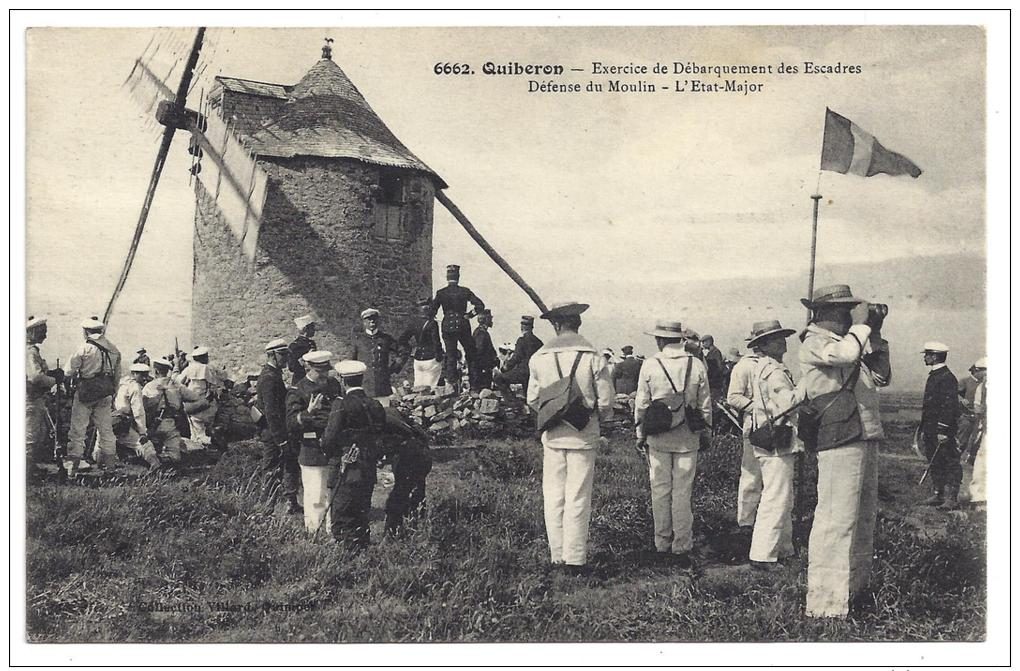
[564, 309]
[667, 328]
[762, 330]
[836, 293]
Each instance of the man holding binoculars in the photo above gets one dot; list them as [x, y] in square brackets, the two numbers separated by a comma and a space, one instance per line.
[844, 361]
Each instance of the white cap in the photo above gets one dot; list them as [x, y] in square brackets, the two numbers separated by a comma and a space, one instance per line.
[350, 368]
[200, 351]
[33, 322]
[508, 346]
[92, 324]
[935, 346]
[304, 321]
[981, 363]
[607, 351]
[317, 357]
[140, 368]
[370, 312]
[279, 343]
[162, 362]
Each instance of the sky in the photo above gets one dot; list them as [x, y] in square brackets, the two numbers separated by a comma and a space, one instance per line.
[645, 205]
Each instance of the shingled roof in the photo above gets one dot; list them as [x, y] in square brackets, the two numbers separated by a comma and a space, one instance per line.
[327, 116]
[252, 87]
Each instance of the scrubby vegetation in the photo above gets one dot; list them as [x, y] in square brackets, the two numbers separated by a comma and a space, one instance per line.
[209, 559]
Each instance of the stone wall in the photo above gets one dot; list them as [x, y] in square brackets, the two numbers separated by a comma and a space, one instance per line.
[320, 250]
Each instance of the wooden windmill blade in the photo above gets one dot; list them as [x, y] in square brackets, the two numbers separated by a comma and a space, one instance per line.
[170, 113]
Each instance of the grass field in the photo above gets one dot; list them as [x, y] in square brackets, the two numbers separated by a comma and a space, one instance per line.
[206, 559]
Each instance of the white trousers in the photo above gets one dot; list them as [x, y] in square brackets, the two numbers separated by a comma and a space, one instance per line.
[427, 373]
[977, 480]
[672, 479]
[841, 545]
[749, 487]
[773, 524]
[199, 434]
[315, 481]
[99, 414]
[566, 489]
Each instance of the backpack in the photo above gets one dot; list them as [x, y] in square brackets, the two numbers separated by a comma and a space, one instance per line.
[100, 385]
[563, 400]
[772, 436]
[831, 419]
[668, 412]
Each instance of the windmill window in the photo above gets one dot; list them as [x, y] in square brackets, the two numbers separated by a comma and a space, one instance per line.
[386, 223]
[391, 189]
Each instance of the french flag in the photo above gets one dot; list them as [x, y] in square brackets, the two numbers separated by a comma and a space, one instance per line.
[849, 149]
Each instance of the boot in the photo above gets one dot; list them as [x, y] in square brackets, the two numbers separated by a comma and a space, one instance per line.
[294, 507]
[935, 499]
[952, 499]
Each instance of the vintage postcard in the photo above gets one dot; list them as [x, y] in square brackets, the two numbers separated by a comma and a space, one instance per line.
[622, 328]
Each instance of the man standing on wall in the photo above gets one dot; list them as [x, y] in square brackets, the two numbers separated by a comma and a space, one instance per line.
[422, 343]
[455, 327]
[485, 351]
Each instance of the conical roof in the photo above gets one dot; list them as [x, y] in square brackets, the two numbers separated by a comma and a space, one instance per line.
[327, 116]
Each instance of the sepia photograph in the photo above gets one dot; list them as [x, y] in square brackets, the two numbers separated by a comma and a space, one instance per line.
[639, 328]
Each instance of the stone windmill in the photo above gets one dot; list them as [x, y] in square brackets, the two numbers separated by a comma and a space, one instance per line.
[305, 202]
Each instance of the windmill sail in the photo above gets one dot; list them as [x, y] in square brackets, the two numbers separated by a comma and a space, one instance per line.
[231, 174]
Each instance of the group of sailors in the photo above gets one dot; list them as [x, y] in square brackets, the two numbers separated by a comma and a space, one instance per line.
[330, 426]
[148, 407]
[833, 410]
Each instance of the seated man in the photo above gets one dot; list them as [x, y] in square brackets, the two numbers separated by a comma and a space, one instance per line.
[129, 423]
[163, 400]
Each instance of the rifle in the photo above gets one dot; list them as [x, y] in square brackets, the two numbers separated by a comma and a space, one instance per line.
[59, 452]
[729, 415]
[178, 356]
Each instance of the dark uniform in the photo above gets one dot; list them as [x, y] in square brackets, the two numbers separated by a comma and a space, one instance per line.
[625, 375]
[354, 430]
[406, 449]
[301, 346]
[516, 370]
[715, 363]
[383, 356]
[455, 327]
[939, 417]
[306, 430]
[487, 359]
[279, 452]
[422, 341]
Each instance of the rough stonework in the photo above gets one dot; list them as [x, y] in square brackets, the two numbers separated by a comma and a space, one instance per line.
[338, 234]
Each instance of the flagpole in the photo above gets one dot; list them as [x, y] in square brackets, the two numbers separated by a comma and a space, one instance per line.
[814, 245]
[799, 468]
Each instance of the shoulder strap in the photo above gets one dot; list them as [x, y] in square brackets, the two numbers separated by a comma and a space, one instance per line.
[573, 369]
[687, 373]
[106, 356]
[666, 373]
